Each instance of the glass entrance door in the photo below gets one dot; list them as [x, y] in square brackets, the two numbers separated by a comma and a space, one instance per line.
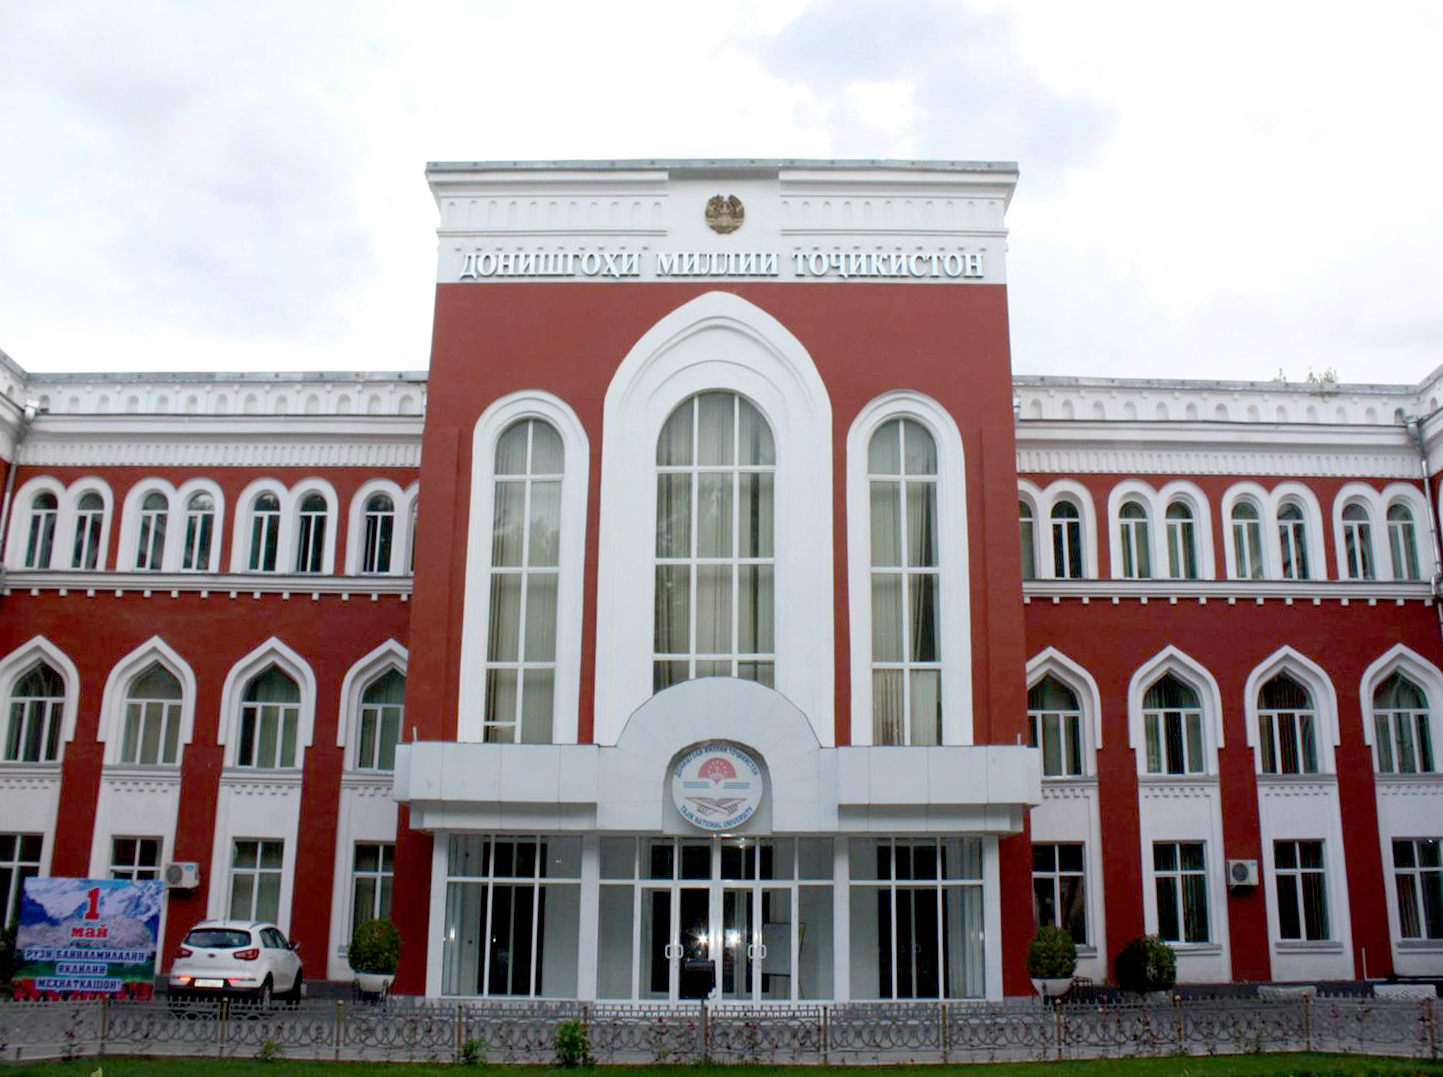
[739, 944]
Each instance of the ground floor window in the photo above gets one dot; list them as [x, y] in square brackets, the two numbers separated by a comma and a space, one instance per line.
[371, 881]
[1418, 882]
[135, 858]
[19, 860]
[255, 879]
[916, 918]
[1059, 892]
[513, 916]
[1302, 890]
[1180, 875]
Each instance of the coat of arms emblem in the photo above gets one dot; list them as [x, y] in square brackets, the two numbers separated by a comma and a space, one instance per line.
[724, 214]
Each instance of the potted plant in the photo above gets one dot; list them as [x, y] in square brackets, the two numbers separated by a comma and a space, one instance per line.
[1051, 959]
[374, 955]
[1145, 965]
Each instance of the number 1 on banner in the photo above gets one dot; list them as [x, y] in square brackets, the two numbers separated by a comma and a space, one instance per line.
[93, 912]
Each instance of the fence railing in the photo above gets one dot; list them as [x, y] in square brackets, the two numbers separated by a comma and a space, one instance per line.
[524, 1031]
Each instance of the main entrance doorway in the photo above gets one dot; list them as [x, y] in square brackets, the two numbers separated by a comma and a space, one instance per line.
[729, 919]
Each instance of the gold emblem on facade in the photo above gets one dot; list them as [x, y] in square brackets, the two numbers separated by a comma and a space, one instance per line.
[724, 214]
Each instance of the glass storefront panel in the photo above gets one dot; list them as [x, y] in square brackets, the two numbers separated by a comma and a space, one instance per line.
[614, 938]
[814, 942]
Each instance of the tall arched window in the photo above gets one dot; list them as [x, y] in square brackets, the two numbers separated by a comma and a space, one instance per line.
[1403, 543]
[1181, 541]
[380, 526]
[383, 709]
[1248, 542]
[1054, 724]
[525, 560]
[150, 546]
[1028, 527]
[37, 700]
[1357, 543]
[265, 533]
[1287, 728]
[1293, 541]
[199, 526]
[1066, 541]
[1172, 727]
[715, 561]
[311, 534]
[152, 719]
[906, 661]
[89, 523]
[1403, 737]
[41, 538]
[269, 718]
[1136, 552]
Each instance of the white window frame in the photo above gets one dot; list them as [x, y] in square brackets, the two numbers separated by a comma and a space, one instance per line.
[1269, 503]
[183, 498]
[1415, 874]
[256, 874]
[62, 547]
[953, 561]
[1412, 665]
[1177, 876]
[1376, 504]
[270, 653]
[17, 663]
[1197, 677]
[721, 342]
[388, 656]
[287, 537]
[1296, 875]
[111, 730]
[476, 617]
[10, 899]
[133, 870]
[47, 519]
[1155, 504]
[1251, 534]
[1325, 708]
[403, 501]
[1043, 501]
[1050, 662]
[1025, 502]
[1402, 540]
[1056, 876]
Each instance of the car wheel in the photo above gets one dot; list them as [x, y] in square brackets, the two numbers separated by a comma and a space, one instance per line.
[264, 998]
[293, 996]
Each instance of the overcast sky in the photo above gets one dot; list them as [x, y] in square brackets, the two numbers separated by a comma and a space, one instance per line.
[1208, 190]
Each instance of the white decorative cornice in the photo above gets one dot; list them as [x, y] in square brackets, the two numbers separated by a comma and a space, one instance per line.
[243, 781]
[139, 781]
[192, 397]
[1313, 592]
[208, 585]
[28, 777]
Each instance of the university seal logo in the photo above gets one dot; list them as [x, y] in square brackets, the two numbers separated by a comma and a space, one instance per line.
[724, 215]
[716, 787]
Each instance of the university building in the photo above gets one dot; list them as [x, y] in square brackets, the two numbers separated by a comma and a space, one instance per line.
[720, 615]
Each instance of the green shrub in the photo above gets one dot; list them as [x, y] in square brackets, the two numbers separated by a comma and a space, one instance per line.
[1051, 954]
[573, 1045]
[1146, 964]
[473, 1051]
[376, 947]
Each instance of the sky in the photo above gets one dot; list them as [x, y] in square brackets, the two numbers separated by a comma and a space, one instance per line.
[1222, 190]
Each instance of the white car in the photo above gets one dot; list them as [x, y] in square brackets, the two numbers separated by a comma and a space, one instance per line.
[237, 958]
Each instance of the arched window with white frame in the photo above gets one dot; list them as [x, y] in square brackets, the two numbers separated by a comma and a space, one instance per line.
[1182, 553]
[152, 524]
[151, 733]
[1249, 560]
[36, 703]
[383, 715]
[265, 533]
[40, 530]
[200, 525]
[311, 518]
[1027, 527]
[1358, 561]
[1403, 729]
[1293, 541]
[906, 660]
[1173, 728]
[1287, 728]
[1054, 724]
[1136, 543]
[1403, 542]
[378, 536]
[1067, 550]
[88, 547]
[715, 552]
[269, 728]
[525, 574]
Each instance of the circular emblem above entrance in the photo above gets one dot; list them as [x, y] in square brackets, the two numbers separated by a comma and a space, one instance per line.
[724, 214]
[716, 786]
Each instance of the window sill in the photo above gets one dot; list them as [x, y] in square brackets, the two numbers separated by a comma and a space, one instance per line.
[232, 583]
[288, 776]
[1305, 946]
[1425, 778]
[19, 768]
[1196, 949]
[1420, 946]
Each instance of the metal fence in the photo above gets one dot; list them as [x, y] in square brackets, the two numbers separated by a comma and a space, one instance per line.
[839, 1033]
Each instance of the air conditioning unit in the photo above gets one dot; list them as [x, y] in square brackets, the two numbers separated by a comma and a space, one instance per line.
[1242, 873]
[182, 875]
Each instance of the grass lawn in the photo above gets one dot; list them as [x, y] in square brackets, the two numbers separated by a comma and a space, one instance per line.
[1280, 1065]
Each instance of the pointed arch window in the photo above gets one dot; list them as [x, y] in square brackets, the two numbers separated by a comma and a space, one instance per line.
[1293, 541]
[1287, 728]
[199, 526]
[1403, 543]
[269, 719]
[1027, 525]
[89, 523]
[715, 561]
[383, 711]
[1054, 724]
[37, 700]
[1172, 727]
[1247, 526]
[311, 534]
[1066, 541]
[525, 572]
[150, 548]
[1181, 541]
[265, 533]
[1358, 543]
[152, 719]
[906, 661]
[1136, 554]
[40, 542]
[380, 527]
[1403, 736]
